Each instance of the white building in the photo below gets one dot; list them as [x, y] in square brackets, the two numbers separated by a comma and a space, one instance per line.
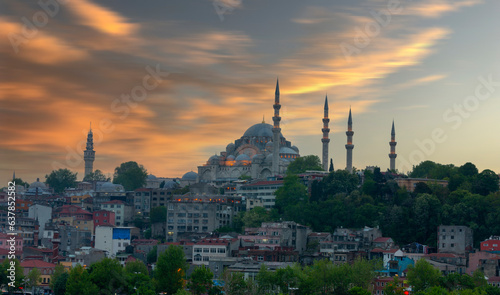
[112, 239]
[41, 213]
[123, 212]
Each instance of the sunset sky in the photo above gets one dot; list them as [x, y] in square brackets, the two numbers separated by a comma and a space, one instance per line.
[431, 65]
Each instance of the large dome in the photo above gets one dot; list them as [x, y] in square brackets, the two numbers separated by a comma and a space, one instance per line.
[190, 176]
[260, 130]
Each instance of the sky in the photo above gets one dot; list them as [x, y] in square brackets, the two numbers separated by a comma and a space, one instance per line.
[169, 83]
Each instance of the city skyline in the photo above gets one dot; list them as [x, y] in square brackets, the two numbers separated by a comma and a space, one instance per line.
[169, 84]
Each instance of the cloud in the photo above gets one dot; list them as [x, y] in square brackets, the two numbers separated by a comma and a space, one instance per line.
[437, 8]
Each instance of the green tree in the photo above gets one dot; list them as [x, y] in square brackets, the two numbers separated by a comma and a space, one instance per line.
[234, 283]
[291, 193]
[33, 278]
[96, 175]
[152, 255]
[6, 271]
[58, 271]
[131, 175]
[486, 183]
[79, 282]
[361, 291]
[61, 179]
[255, 217]
[171, 269]
[59, 285]
[140, 283]
[201, 280]
[108, 276]
[302, 164]
[158, 214]
[468, 169]
[136, 266]
[423, 275]
[19, 181]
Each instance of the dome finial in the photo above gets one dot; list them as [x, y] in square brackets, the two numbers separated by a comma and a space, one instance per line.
[263, 119]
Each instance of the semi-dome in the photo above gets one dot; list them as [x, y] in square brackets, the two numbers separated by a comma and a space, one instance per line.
[269, 158]
[260, 130]
[287, 150]
[295, 148]
[269, 146]
[243, 157]
[230, 158]
[190, 176]
[151, 177]
[230, 148]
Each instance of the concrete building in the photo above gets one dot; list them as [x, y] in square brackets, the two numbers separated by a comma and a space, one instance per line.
[207, 249]
[112, 239]
[278, 234]
[199, 214]
[41, 213]
[260, 192]
[123, 212]
[456, 239]
[491, 245]
[103, 218]
[46, 270]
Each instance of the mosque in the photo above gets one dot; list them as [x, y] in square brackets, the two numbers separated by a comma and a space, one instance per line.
[255, 155]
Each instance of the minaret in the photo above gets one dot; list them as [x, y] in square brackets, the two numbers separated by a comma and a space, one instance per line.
[89, 153]
[276, 130]
[392, 143]
[325, 140]
[349, 146]
[14, 175]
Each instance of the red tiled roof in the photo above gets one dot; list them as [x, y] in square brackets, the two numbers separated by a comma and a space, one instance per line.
[37, 264]
[377, 250]
[381, 240]
[494, 279]
[442, 255]
[142, 189]
[264, 182]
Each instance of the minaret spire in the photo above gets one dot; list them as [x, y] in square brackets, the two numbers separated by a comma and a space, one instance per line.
[276, 130]
[89, 153]
[14, 175]
[325, 140]
[392, 144]
[349, 146]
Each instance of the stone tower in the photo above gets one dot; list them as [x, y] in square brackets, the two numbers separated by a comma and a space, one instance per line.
[325, 140]
[392, 143]
[349, 146]
[89, 153]
[276, 130]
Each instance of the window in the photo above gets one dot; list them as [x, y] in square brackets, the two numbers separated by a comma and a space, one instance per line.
[452, 237]
[443, 245]
[213, 250]
[444, 237]
[452, 245]
[197, 250]
[205, 250]
[204, 228]
[205, 215]
[197, 257]
[260, 258]
[221, 250]
[97, 214]
[206, 258]
[170, 207]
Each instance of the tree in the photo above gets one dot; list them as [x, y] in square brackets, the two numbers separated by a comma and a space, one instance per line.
[6, 272]
[58, 271]
[201, 280]
[234, 283]
[136, 266]
[291, 193]
[302, 164]
[423, 275]
[79, 282]
[468, 169]
[171, 269]
[97, 175]
[33, 278]
[19, 181]
[59, 285]
[486, 182]
[108, 276]
[255, 217]
[158, 214]
[394, 287]
[152, 255]
[61, 179]
[140, 283]
[131, 175]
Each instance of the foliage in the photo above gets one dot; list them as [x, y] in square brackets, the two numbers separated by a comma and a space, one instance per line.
[140, 283]
[58, 271]
[79, 282]
[5, 272]
[152, 255]
[136, 266]
[302, 164]
[423, 275]
[96, 175]
[19, 181]
[171, 269]
[59, 285]
[158, 214]
[201, 280]
[131, 175]
[61, 179]
[394, 287]
[255, 217]
[33, 278]
[234, 283]
[108, 276]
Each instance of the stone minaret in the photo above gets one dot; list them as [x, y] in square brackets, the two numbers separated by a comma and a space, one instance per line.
[89, 153]
[349, 146]
[325, 140]
[392, 143]
[276, 130]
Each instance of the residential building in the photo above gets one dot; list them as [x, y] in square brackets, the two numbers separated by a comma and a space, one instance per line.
[112, 239]
[46, 270]
[103, 217]
[491, 245]
[41, 213]
[123, 212]
[456, 239]
[261, 192]
[210, 248]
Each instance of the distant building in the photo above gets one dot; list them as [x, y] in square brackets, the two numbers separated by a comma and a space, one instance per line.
[491, 245]
[103, 218]
[46, 270]
[410, 183]
[260, 193]
[455, 239]
[112, 239]
[41, 213]
[123, 212]
[210, 248]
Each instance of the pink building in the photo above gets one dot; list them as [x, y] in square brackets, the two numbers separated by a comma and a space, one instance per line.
[491, 245]
[103, 217]
[5, 242]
